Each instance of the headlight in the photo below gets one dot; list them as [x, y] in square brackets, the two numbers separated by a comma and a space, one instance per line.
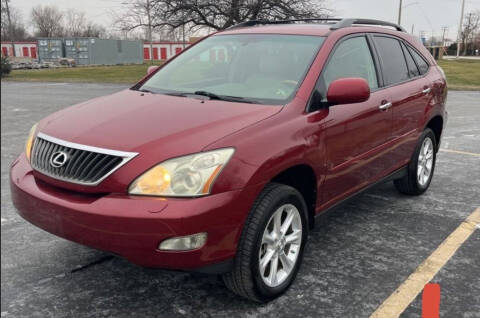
[30, 139]
[187, 176]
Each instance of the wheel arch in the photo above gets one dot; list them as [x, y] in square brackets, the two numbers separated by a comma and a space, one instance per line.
[436, 125]
[301, 177]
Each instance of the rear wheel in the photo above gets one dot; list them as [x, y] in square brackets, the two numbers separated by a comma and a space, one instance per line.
[271, 246]
[421, 166]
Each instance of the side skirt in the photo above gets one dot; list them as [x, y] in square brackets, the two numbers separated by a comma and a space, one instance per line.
[397, 174]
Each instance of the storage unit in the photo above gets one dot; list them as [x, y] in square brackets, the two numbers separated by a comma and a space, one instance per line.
[162, 50]
[50, 49]
[22, 49]
[95, 51]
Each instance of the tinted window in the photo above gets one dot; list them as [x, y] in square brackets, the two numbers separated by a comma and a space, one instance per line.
[422, 65]
[412, 67]
[351, 58]
[394, 66]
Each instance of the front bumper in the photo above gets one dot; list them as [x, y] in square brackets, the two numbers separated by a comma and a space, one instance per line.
[133, 226]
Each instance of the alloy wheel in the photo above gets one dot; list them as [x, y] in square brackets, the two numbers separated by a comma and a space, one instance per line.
[425, 162]
[280, 246]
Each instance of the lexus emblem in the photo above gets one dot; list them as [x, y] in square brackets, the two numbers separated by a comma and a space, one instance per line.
[58, 159]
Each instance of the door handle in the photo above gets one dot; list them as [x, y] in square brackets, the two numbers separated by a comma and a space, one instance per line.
[385, 106]
[427, 90]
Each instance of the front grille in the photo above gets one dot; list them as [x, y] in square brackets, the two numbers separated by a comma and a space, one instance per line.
[83, 164]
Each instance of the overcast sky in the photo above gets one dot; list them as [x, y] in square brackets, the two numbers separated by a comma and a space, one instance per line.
[425, 15]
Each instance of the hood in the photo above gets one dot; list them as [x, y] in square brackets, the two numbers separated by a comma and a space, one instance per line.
[157, 124]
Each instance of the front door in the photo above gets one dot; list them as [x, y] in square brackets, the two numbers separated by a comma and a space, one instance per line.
[355, 134]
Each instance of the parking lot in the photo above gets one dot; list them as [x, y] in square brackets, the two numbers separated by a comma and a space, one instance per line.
[355, 259]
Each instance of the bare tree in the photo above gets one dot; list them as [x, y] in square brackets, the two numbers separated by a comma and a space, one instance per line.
[218, 15]
[75, 23]
[47, 20]
[222, 14]
[94, 30]
[470, 27]
[12, 27]
[141, 14]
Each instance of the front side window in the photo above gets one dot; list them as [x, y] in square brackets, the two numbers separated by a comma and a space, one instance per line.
[263, 68]
[351, 58]
[394, 66]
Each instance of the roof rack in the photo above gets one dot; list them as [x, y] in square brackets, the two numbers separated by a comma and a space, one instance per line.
[259, 22]
[339, 23]
[349, 22]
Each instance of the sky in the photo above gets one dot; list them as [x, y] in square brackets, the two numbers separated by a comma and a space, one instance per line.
[425, 15]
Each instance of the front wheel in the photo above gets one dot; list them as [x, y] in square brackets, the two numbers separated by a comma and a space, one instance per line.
[421, 166]
[271, 246]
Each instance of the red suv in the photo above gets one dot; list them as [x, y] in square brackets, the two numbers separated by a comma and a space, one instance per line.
[219, 160]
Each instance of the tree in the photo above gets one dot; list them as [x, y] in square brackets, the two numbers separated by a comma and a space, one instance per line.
[218, 15]
[140, 14]
[12, 27]
[470, 27]
[47, 20]
[75, 23]
[94, 30]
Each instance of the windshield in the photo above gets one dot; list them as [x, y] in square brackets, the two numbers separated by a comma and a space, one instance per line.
[260, 68]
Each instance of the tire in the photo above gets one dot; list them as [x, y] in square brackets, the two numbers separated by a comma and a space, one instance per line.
[412, 183]
[246, 278]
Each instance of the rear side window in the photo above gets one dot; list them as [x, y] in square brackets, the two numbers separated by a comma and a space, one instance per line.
[412, 67]
[422, 65]
[351, 58]
[394, 66]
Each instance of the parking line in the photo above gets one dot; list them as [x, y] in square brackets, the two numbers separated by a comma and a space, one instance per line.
[394, 305]
[461, 152]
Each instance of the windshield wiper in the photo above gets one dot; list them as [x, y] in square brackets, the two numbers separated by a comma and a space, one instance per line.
[144, 90]
[175, 94]
[223, 97]
[208, 94]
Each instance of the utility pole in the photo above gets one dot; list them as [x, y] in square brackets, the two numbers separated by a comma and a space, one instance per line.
[400, 13]
[413, 25]
[459, 38]
[10, 27]
[444, 29]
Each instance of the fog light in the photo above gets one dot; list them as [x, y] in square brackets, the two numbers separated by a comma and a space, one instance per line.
[184, 243]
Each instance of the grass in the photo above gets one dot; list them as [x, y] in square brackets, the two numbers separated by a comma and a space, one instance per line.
[461, 74]
[128, 74]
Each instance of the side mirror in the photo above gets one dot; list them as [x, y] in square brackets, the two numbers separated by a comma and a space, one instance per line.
[348, 91]
[152, 69]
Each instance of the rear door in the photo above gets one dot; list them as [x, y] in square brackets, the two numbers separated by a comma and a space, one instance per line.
[408, 91]
[355, 133]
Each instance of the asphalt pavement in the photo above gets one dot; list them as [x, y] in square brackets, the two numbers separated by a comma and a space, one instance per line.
[354, 260]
